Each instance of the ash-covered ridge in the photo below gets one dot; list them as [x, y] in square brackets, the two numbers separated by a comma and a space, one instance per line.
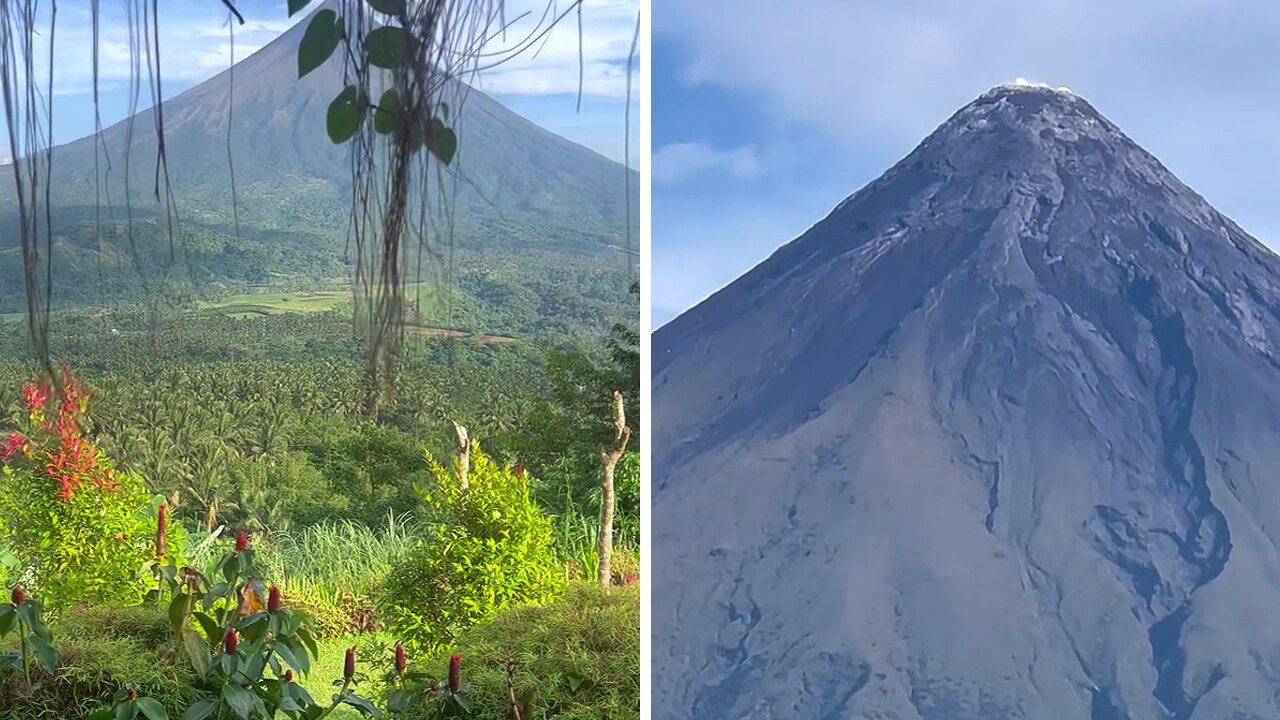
[995, 439]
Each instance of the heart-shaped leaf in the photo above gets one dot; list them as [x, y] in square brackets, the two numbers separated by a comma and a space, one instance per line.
[390, 7]
[345, 113]
[318, 43]
[386, 46]
[390, 114]
[441, 141]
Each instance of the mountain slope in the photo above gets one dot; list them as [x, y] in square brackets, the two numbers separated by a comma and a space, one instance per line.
[995, 439]
[523, 189]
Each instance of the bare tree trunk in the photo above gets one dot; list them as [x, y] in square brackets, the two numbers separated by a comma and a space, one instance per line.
[464, 453]
[609, 458]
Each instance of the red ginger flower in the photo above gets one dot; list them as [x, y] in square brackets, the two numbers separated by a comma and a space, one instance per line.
[133, 694]
[242, 542]
[232, 642]
[455, 672]
[18, 596]
[288, 676]
[401, 663]
[273, 600]
[349, 667]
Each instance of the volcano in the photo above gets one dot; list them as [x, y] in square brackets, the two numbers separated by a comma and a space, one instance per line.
[518, 193]
[996, 439]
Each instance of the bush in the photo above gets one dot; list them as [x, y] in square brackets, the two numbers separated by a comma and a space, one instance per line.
[101, 649]
[490, 547]
[577, 658]
[78, 527]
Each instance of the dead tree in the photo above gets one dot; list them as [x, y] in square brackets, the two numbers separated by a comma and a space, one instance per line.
[609, 457]
[464, 453]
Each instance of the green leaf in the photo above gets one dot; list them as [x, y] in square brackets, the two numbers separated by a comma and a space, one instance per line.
[209, 626]
[398, 701]
[318, 43]
[151, 709]
[126, 711]
[197, 652]
[389, 7]
[298, 661]
[101, 714]
[441, 141]
[201, 710]
[310, 641]
[296, 5]
[44, 649]
[365, 707]
[8, 619]
[345, 114]
[178, 612]
[386, 46]
[240, 700]
[390, 114]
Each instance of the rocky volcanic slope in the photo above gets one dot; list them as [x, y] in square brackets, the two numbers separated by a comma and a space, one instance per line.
[998, 438]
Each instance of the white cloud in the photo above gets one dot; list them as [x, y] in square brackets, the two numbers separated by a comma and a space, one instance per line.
[864, 71]
[678, 162]
[552, 66]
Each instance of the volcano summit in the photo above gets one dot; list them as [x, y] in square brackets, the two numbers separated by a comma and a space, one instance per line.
[996, 439]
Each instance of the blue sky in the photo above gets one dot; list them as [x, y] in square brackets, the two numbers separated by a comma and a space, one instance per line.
[766, 115]
[195, 46]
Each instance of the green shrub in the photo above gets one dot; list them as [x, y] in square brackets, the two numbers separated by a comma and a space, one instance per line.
[81, 529]
[101, 649]
[490, 547]
[577, 658]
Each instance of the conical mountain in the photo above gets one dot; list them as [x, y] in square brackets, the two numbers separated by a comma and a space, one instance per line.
[522, 189]
[998, 438]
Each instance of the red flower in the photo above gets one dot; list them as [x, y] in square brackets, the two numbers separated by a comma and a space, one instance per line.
[242, 542]
[273, 600]
[401, 664]
[232, 642]
[630, 579]
[133, 694]
[288, 676]
[162, 530]
[10, 447]
[18, 596]
[519, 468]
[35, 395]
[349, 667]
[455, 672]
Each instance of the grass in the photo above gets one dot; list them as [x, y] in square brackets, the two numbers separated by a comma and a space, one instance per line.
[334, 570]
[278, 302]
[577, 658]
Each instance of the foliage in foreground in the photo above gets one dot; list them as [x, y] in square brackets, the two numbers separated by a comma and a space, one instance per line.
[489, 547]
[576, 658]
[82, 528]
[100, 650]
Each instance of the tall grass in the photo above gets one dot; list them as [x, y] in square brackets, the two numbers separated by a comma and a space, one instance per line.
[338, 555]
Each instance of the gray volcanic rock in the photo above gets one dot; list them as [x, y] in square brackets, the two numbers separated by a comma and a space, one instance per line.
[998, 438]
